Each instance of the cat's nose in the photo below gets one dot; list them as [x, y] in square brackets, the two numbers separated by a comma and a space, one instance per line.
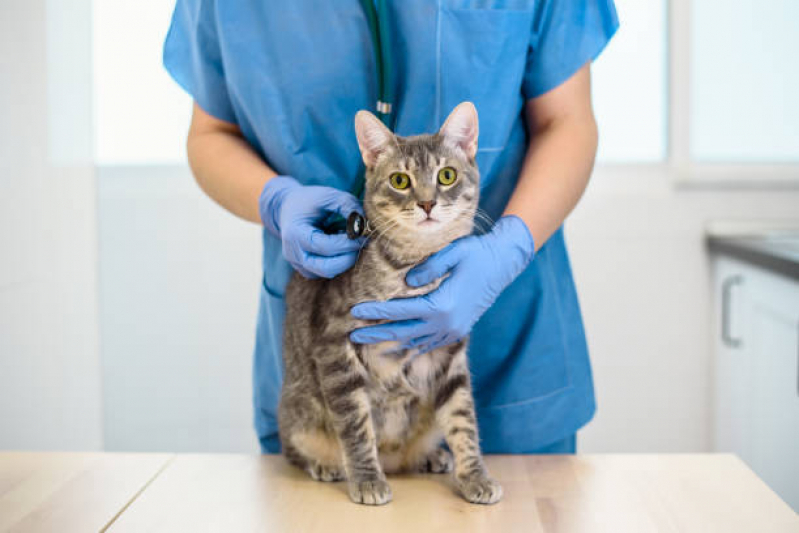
[427, 206]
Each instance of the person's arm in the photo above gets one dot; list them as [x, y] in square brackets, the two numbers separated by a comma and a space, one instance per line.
[560, 156]
[225, 165]
[234, 175]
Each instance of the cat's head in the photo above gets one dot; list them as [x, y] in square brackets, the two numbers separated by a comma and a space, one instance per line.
[421, 191]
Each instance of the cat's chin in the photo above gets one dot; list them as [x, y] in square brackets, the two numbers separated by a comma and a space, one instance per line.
[423, 239]
[429, 224]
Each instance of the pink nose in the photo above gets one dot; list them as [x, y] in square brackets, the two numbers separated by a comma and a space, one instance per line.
[427, 206]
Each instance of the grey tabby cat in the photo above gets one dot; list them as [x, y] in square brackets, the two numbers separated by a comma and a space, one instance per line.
[355, 412]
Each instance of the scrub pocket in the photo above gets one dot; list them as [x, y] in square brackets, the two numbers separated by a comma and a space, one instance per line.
[482, 53]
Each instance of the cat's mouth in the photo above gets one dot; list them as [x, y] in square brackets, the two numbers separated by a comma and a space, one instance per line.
[429, 221]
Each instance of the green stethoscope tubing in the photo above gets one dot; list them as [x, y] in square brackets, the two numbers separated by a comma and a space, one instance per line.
[375, 12]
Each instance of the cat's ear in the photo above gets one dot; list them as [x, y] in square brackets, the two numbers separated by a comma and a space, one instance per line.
[374, 138]
[460, 129]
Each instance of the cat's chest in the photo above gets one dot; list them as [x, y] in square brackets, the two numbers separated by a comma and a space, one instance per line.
[400, 372]
[397, 386]
[395, 371]
[376, 277]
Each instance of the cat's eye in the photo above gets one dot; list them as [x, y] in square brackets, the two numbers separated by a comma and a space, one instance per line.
[399, 180]
[447, 175]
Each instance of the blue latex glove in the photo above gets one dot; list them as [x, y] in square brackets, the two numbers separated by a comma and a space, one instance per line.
[480, 268]
[292, 212]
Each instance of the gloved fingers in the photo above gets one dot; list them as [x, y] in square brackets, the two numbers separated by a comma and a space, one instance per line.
[393, 331]
[318, 242]
[435, 266]
[416, 342]
[396, 309]
[304, 273]
[295, 256]
[341, 202]
[329, 266]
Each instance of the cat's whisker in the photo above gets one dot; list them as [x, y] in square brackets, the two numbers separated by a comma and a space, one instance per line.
[483, 221]
[481, 224]
[483, 214]
[379, 229]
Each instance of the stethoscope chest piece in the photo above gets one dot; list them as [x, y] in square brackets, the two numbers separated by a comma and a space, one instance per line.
[356, 225]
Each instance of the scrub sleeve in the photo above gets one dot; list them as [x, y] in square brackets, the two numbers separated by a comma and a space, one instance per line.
[566, 34]
[194, 60]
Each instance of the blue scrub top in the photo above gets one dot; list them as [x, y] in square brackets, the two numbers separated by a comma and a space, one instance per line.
[292, 74]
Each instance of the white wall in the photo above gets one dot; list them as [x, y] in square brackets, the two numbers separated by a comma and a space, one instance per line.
[132, 90]
[49, 357]
[179, 287]
[643, 276]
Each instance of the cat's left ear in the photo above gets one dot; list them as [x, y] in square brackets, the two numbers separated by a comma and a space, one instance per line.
[460, 129]
[374, 138]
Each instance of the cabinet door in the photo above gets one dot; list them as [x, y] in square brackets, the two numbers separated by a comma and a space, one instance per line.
[732, 388]
[772, 334]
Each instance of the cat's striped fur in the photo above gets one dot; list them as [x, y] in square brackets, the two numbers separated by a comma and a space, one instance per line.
[356, 412]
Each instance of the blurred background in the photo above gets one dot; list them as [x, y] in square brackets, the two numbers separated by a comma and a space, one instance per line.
[128, 299]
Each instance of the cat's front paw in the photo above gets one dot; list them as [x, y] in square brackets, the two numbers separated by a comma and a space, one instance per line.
[372, 492]
[480, 489]
[438, 462]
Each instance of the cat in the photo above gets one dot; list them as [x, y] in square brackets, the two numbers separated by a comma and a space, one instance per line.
[356, 412]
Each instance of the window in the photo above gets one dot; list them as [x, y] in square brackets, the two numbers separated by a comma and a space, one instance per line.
[630, 86]
[140, 115]
[744, 81]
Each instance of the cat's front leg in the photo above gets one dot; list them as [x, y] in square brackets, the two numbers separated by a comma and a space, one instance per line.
[344, 390]
[455, 415]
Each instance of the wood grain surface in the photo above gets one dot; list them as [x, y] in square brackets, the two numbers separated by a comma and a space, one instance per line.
[65, 492]
[591, 493]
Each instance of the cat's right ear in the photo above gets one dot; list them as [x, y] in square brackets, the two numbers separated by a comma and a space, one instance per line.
[374, 138]
[461, 128]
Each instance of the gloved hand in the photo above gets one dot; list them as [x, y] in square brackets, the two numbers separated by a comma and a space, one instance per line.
[480, 268]
[291, 211]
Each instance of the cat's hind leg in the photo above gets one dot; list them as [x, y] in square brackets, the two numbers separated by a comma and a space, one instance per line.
[424, 452]
[316, 452]
[306, 442]
[439, 461]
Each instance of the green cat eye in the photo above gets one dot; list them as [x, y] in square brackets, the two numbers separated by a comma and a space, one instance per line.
[399, 180]
[447, 175]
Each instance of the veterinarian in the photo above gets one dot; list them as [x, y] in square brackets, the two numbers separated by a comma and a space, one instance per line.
[276, 86]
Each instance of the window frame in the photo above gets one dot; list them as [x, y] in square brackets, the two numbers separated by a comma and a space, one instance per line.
[686, 172]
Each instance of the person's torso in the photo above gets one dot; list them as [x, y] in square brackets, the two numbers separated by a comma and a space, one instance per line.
[298, 71]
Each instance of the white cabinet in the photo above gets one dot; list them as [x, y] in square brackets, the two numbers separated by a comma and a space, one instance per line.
[756, 393]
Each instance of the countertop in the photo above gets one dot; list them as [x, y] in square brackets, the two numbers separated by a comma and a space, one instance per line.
[234, 493]
[773, 246]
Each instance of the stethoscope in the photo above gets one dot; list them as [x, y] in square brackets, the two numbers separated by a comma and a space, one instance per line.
[375, 11]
